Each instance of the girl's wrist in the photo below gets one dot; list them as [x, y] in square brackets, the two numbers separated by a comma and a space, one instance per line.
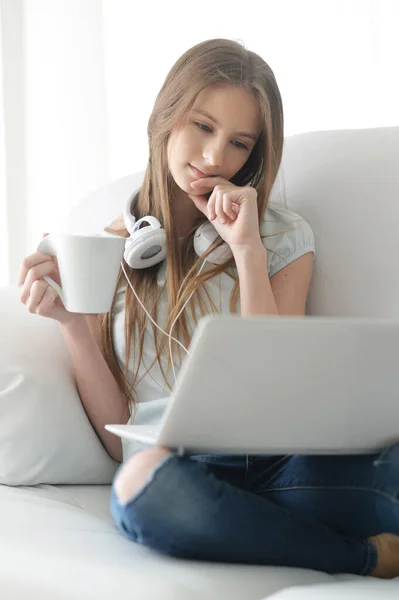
[250, 251]
[74, 323]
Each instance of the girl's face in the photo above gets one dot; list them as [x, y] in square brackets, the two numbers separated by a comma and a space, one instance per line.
[216, 138]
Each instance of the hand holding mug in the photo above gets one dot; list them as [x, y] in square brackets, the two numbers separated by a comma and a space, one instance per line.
[38, 296]
[86, 277]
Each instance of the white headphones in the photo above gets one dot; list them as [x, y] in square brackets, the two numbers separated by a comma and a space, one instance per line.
[147, 246]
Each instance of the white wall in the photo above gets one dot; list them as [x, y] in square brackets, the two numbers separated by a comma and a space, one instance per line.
[81, 77]
[12, 148]
[66, 115]
[335, 61]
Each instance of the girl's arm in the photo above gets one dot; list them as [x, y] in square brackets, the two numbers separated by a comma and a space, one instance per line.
[256, 294]
[233, 211]
[97, 387]
[283, 294]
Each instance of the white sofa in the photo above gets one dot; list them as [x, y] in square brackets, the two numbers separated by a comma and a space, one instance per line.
[58, 540]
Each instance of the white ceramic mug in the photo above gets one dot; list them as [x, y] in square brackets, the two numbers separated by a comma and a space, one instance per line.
[88, 267]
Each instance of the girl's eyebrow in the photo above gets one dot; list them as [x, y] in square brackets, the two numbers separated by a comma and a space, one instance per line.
[251, 136]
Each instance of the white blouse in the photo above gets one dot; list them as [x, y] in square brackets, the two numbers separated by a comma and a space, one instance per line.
[151, 390]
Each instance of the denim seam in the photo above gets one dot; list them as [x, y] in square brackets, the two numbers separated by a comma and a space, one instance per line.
[147, 483]
[331, 487]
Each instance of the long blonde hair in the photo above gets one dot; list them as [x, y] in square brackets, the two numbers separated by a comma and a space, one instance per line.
[210, 63]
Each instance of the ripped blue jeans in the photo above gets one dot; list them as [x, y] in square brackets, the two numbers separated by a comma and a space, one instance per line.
[312, 512]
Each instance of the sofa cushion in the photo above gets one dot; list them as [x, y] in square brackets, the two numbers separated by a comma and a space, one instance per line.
[59, 543]
[45, 434]
[345, 184]
[364, 589]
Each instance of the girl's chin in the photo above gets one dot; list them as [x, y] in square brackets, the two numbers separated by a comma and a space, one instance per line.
[184, 183]
[183, 180]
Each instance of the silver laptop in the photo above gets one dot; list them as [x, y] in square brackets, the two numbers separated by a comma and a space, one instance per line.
[283, 385]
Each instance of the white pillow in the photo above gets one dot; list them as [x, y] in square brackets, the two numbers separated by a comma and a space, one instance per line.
[45, 434]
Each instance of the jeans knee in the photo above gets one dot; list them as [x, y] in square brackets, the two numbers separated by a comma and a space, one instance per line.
[134, 474]
[173, 511]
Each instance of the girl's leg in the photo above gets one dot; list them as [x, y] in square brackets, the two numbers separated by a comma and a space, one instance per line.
[185, 511]
[355, 495]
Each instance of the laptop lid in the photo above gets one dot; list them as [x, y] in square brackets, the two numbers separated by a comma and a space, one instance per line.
[286, 385]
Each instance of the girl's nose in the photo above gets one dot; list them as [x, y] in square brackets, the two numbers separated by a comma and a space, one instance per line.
[213, 154]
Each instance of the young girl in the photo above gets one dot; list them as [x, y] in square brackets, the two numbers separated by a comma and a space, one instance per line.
[215, 146]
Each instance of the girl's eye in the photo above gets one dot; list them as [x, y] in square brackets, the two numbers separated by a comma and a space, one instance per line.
[207, 129]
[240, 145]
[202, 126]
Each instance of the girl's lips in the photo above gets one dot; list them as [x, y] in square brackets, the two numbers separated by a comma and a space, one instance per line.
[198, 173]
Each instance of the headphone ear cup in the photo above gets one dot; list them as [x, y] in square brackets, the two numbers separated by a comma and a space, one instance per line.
[145, 247]
[204, 237]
